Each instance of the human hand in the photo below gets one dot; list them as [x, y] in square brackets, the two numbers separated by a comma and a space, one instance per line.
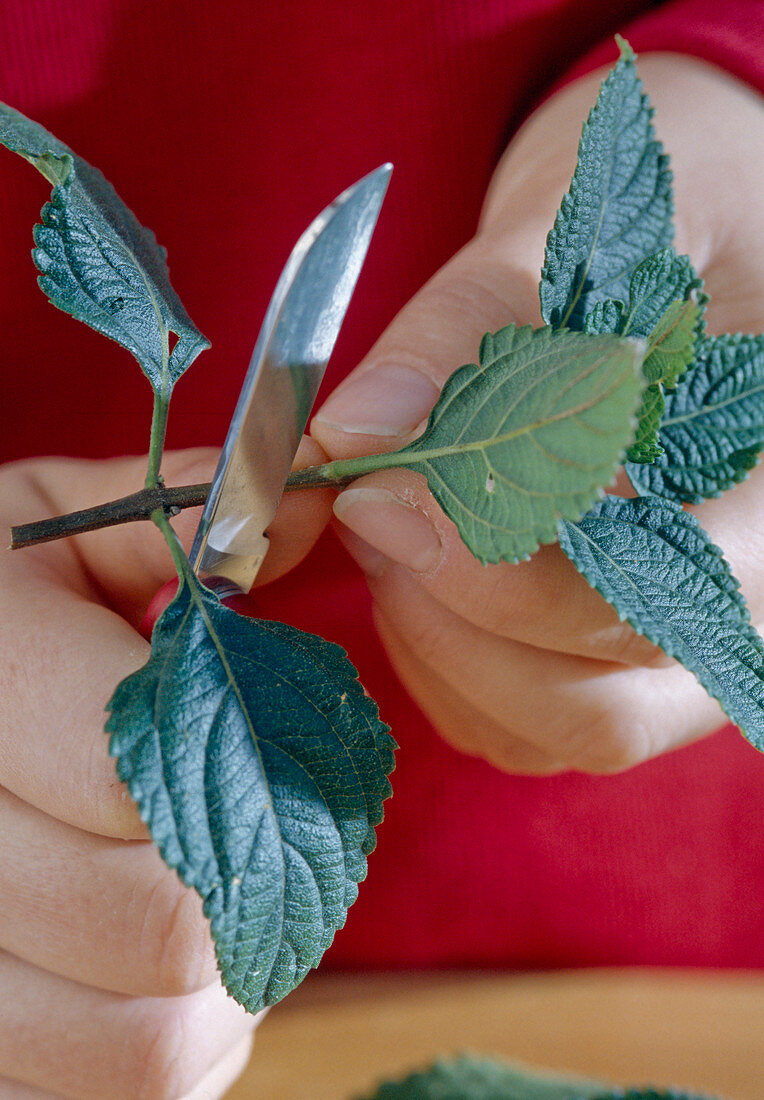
[525, 664]
[108, 983]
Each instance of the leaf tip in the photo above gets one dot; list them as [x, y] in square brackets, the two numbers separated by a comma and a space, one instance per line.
[627, 53]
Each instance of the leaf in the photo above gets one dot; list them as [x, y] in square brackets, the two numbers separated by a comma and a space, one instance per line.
[476, 1078]
[645, 447]
[671, 348]
[531, 434]
[98, 263]
[713, 425]
[606, 317]
[666, 305]
[619, 206]
[260, 767]
[658, 568]
[670, 352]
[656, 283]
[649, 1094]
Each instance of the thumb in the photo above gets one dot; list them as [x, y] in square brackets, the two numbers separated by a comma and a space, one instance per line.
[384, 401]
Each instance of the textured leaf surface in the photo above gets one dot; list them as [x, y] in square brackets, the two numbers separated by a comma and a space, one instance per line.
[98, 263]
[655, 564]
[665, 306]
[645, 447]
[475, 1078]
[260, 766]
[712, 429]
[531, 434]
[670, 352]
[655, 283]
[671, 348]
[618, 209]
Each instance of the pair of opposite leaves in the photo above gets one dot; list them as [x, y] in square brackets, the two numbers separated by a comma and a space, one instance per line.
[253, 753]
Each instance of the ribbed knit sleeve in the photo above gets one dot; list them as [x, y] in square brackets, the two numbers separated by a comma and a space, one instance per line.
[727, 33]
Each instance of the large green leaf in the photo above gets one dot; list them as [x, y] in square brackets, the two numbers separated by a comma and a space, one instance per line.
[531, 434]
[260, 766]
[476, 1078]
[658, 568]
[97, 261]
[618, 209]
[712, 429]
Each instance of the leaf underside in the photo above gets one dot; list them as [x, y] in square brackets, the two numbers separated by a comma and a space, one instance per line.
[98, 263]
[472, 1077]
[654, 563]
[260, 766]
[531, 434]
[712, 429]
[618, 209]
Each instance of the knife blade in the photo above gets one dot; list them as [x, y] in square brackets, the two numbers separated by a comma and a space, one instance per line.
[297, 337]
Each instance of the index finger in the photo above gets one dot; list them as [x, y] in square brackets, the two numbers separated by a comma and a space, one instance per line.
[543, 602]
[63, 652]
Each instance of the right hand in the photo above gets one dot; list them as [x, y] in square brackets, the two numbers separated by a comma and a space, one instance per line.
[526, 665]
[108, 982]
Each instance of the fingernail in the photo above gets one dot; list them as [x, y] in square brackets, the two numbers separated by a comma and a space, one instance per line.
[399, 531]
[384, 401]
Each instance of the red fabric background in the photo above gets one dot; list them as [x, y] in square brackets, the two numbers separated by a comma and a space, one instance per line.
[226, 128]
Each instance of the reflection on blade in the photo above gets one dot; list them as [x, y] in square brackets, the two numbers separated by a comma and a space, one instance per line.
[287, 366]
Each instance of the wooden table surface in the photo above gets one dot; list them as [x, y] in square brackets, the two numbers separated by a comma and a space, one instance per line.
[337, 1035]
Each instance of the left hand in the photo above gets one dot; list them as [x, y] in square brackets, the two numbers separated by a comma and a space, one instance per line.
[525, 664]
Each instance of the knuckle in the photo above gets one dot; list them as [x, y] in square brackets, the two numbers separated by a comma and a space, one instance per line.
[609, 738]
[165, 1055]
[180, 952]
[495, 601]
[626, 647]
[424, 634]
[468, 291]
[511, 754]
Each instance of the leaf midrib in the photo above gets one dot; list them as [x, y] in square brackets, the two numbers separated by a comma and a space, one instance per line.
[131, 256]
[674, 631]
[420, 456]
[703, 409]
[595, 241]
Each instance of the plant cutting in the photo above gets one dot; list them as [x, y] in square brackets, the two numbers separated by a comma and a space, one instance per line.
[475, 1078]
[257, 761]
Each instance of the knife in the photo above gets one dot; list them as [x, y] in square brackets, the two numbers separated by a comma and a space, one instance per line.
[301, 326]
[298, 334]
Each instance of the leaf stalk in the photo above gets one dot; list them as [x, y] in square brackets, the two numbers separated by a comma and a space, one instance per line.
[158, 431]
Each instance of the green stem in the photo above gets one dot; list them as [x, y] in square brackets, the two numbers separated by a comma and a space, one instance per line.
[337, 473]
[182, 564]
[156, 444]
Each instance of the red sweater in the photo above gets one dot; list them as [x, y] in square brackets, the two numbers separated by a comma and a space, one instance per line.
[226, 127]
